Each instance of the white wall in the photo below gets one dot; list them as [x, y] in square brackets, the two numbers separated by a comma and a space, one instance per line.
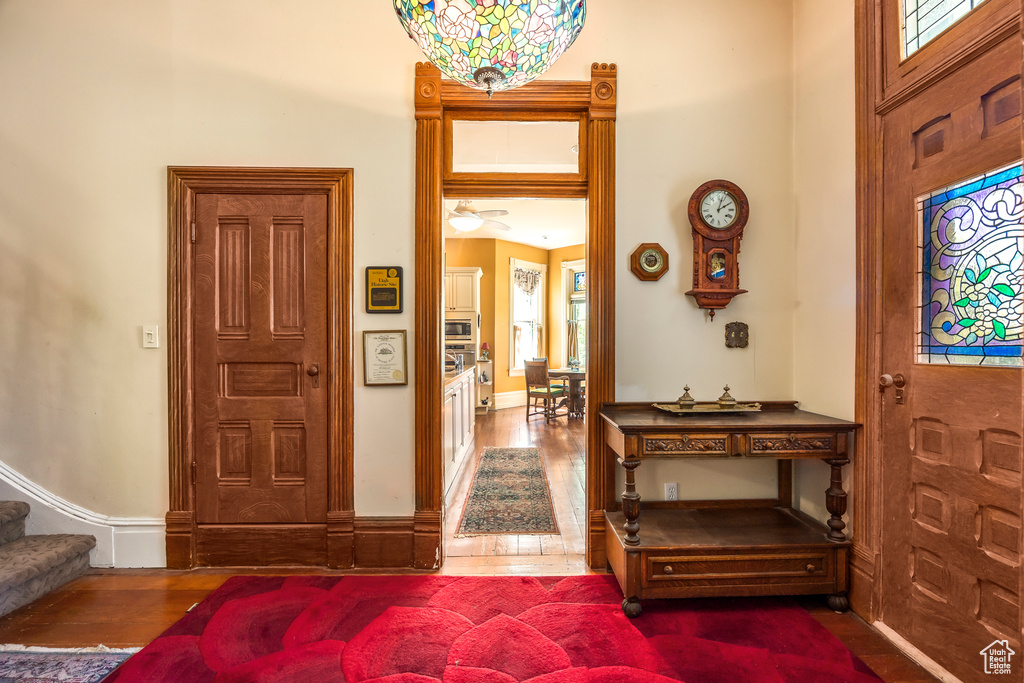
[709, 102]
[825, 251]
[102, 95]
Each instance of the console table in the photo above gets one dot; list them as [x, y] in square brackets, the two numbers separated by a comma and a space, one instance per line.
[707, 548]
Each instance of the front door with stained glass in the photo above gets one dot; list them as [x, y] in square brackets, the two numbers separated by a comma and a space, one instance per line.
[951, 301]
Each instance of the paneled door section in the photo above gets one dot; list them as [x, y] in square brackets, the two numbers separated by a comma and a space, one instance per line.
[260, 377]
[951, 382]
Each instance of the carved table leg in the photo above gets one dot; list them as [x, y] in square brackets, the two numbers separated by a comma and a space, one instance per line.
[835, 500]
[631, 503]
[631, 607]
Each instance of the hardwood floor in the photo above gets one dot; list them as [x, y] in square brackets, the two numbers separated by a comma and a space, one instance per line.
[562, 449]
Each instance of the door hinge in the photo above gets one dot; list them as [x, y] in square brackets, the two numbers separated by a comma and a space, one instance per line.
[193, 471]
[193, 232]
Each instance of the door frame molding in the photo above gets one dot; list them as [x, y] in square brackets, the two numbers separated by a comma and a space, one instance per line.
[593, 104]
[184, 183]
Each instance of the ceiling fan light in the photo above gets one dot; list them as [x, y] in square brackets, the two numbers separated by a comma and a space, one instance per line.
[465, 223]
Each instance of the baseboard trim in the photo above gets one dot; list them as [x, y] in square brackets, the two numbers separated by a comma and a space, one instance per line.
[510, 399]
[926, 662]
[383, 542]
[120, 541]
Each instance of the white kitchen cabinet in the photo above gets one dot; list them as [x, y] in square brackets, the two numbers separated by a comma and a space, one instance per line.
[448, 444]
[462, 289]
[459, 418]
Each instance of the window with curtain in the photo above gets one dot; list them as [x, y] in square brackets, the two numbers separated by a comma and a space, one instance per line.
[526, 312]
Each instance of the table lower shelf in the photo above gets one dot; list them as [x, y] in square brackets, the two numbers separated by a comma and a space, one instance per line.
[713, 552]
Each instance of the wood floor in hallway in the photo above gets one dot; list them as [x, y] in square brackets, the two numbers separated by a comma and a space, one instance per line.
[562, 448]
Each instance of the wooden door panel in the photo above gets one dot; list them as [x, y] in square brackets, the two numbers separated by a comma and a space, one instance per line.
[951, 570]
[261, 327]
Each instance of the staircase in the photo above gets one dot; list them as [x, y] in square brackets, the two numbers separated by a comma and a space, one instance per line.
[31, 566]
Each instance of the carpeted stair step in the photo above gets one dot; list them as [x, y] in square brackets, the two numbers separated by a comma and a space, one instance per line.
[12, 520]
[35, 565]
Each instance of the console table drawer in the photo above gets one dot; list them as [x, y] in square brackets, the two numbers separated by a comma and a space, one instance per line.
[685, 445]
[775, 565]
[773, 445]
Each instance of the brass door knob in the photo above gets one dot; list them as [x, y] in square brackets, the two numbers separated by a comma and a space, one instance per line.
[313, 370]
[887, 380]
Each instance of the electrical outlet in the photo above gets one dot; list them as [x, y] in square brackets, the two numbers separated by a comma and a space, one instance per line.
[671, 491]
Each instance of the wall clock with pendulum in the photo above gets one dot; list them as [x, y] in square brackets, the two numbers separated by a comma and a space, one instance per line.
[718, 212]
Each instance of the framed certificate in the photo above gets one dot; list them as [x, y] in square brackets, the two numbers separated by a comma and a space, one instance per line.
[384, 357]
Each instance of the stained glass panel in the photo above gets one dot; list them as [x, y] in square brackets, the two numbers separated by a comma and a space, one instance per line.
[925, 19]
[971, 265]
[521, 38]
[579, 281]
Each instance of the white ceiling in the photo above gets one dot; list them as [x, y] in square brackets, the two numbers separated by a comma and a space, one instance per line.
[543, 223]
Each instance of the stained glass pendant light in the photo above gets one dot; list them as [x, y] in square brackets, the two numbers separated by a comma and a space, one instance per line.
[492, 44]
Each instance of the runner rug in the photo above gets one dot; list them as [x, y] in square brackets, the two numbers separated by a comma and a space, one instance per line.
[494, 629]
[509, 495]
[20, 664]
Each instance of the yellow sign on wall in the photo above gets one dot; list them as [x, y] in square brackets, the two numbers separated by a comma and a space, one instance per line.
[383, 289]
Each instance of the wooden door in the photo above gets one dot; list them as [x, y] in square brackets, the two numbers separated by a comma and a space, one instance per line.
[950, 350]
[260, 381]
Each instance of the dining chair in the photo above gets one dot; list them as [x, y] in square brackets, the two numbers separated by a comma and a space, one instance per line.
[543, 396]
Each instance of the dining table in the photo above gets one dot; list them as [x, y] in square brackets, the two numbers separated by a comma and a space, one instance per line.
[575, 400]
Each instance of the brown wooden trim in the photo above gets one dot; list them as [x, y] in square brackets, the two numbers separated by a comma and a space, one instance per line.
[595, 103]
[867, 503]
[183, 184]
[428, 548]
[341, 552]
[180, 540]
[476, 185]
[532, 97]
[600, 480]
[261, 546]
[383, 542]
[429, 281]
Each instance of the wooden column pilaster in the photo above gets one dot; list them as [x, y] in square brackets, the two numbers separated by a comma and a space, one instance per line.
[427, 537]
[600, 302]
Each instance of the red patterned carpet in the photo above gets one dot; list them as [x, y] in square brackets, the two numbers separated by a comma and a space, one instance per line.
[431, 629]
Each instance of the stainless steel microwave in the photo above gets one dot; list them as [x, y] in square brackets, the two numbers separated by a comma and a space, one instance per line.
[456, 328]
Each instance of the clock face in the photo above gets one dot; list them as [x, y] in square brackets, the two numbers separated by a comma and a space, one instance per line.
[651, 260]
[719, 209]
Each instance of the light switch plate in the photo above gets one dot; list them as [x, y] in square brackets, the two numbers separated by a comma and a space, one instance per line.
[150, 336]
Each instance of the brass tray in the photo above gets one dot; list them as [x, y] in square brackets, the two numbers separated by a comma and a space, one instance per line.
[709, 407]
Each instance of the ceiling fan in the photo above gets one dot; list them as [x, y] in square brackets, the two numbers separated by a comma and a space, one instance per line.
[466, 218]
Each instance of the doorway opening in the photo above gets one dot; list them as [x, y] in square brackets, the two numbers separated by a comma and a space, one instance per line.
[519, 279]
[440, 106]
